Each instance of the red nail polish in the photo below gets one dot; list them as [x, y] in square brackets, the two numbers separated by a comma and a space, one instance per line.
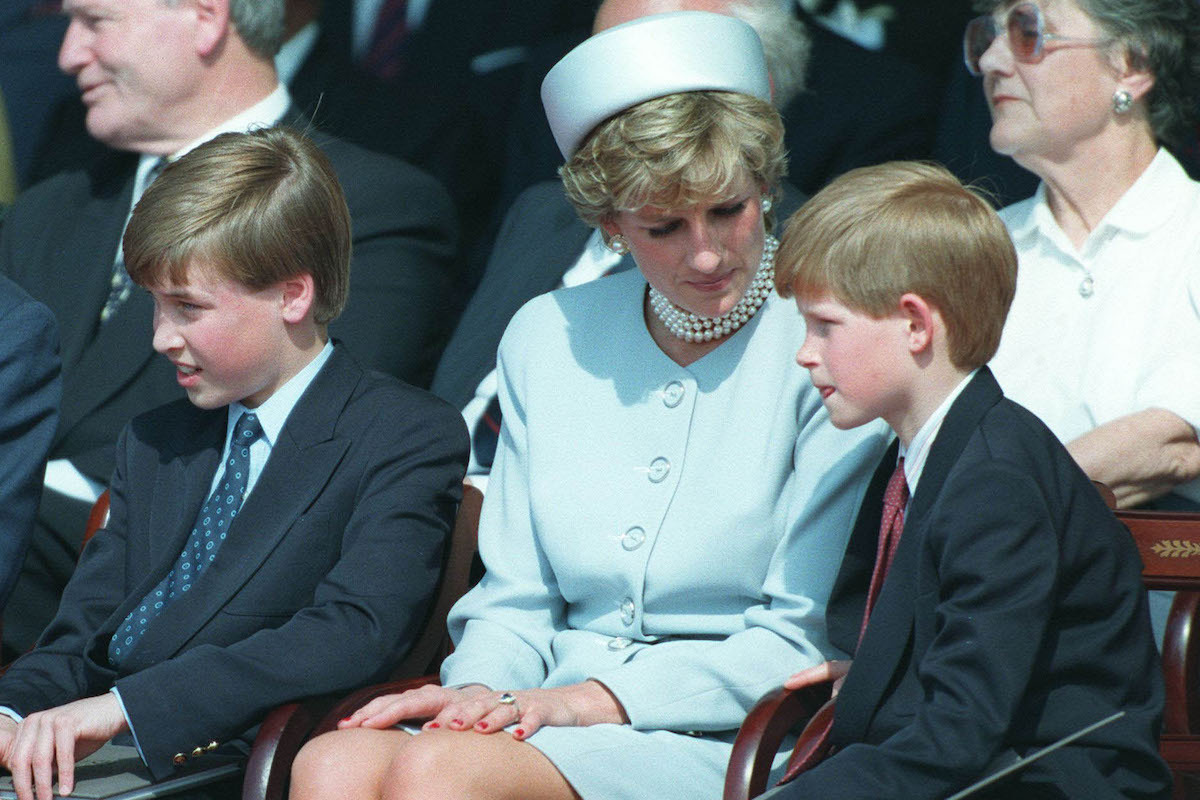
[457, 722]
[345, 719]
[519, 733]
[481, 725]
[435, 725]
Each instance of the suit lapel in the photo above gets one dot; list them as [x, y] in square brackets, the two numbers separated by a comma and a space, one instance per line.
[883, 648]
[881, 652]
[99, 360]
[548, 243]
[535, 250]
[301, 462]
[180, 488]
[119, 350]
[960, 423]
[877, 657]
[91, 244]
[849, 596]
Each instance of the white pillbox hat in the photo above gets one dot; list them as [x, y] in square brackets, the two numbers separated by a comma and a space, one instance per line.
[683, 51]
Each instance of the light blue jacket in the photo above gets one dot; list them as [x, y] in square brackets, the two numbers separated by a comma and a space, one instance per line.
[672, 532]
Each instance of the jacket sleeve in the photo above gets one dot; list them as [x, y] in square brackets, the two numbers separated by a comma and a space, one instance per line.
[516, 609]
[30, 390]
[54, 672]
[364, 611]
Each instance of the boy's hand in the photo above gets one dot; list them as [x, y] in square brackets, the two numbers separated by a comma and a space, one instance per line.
[56, 738]
[829, 671]
[8, 734]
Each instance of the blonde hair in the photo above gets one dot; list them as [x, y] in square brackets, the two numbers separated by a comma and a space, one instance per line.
[258, 207]
[675, 151]
[875, 233]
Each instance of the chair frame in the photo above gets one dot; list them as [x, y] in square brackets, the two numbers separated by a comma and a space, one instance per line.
[765, 728]
[1169, 544]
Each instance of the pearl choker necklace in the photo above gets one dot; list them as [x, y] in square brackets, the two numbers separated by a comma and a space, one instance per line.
[694, 328]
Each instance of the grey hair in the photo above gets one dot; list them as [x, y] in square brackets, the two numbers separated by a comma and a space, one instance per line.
[1163, 38]
[259, 23]
[785, 41]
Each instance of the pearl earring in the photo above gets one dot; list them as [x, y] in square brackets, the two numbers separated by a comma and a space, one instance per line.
[618, 244]
[767, 204]
[1122, 101]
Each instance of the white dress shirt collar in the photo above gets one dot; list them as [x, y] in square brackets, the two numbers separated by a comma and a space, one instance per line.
[263, 114]
[917, 452]
[295, 51]
[273, 412]
[366, 14]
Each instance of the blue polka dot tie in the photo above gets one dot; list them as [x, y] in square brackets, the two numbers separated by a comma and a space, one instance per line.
[208, 533]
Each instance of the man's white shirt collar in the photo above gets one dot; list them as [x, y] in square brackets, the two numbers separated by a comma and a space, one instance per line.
[263, 114]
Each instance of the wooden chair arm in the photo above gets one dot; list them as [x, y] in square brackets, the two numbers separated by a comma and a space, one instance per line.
[1181, 750]
[288, 727]
[761, 734]
[1181, 666]
[280, 737]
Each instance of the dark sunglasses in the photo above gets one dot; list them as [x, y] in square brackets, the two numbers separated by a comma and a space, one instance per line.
[1027, 36]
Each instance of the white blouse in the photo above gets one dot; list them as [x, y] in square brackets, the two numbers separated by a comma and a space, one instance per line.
[1112, 328]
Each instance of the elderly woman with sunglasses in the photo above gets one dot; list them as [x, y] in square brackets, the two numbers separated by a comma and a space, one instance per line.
[669, 499]
[1103, 339]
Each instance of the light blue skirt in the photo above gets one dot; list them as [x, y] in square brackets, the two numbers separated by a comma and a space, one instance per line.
[616, 762]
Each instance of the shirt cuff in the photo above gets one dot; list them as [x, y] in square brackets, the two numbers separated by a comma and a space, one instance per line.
[129, 722]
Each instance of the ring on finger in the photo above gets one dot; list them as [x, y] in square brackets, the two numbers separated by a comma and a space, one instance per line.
[509, 699]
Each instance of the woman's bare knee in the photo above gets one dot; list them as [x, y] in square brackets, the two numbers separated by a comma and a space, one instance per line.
[471, 766]
[429, 765]
[347, 763]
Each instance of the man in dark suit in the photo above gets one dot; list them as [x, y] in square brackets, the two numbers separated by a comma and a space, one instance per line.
[1001, 609]
[330, 489]
[151, 96]
[29, 395]
[445, 97]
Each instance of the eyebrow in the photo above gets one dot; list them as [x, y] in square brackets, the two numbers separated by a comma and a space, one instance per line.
[671, 213]
[183, 293]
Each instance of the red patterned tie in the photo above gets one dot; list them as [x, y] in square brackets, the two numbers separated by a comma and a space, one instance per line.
[385, 56]
[895, 497]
